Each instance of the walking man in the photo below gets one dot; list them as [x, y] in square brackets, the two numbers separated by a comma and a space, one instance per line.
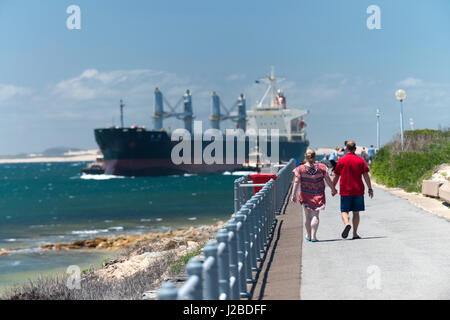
[351, 168]
[371, 154]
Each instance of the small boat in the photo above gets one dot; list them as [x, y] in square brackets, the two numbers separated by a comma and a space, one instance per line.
[97, 167]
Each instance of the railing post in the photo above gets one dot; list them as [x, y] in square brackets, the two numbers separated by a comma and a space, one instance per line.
[194, 268]
[259, 221]
[252, 236]
[211, 275]
[272, 210]
[240, 218]
[224, 263]
[248, 252]
[255, 222]
[236, 194]
[167, 291]
[234, 271]
[266, 213]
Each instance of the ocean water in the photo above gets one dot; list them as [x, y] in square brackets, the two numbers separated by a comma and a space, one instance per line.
[43, 203]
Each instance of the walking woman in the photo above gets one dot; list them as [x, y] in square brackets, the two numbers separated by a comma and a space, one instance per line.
[311, 178]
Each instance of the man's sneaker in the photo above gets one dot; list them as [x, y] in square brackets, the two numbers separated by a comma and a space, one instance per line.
[346, 231]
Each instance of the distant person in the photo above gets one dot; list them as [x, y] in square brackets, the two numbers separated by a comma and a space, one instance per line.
[350, 168]
[310, 176]
[344, 150]
[334, 158]
[371, 153]
[364, 155]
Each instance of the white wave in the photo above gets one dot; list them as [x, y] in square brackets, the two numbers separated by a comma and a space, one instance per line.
[116, 228]
[76, 164]
[159, 219]
[81, 232]
[189, 175]
[226, 173]
[99, 177]
[15, 263]
[146, 220]
[193, 218]
[242, 173]
[27, 250]
[11, 240]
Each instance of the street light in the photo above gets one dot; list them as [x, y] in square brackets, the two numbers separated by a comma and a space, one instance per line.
[378, 129]
[401, 95]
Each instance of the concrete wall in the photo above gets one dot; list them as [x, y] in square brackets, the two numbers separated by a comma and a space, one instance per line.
[436, 189]
[444, 191]
[431, 188]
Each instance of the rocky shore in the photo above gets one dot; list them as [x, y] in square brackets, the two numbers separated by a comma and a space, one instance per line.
[171, 239]
[143, 262]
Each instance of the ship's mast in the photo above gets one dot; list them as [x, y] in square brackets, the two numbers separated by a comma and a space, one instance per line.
[272, 79]
[121, 112]
[272, 84]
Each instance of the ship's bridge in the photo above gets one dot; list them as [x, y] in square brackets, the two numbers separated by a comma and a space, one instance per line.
[275, 114]
[287, 121]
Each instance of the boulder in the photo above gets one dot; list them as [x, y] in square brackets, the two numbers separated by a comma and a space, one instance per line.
[431, 188]
[444, 192]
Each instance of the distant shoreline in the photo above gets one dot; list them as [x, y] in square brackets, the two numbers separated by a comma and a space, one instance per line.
[88, 156]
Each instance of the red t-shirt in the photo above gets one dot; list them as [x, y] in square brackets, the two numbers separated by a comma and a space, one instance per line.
[351, 167]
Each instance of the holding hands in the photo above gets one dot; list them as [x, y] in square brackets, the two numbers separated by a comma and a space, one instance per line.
[333, 191]
[293, 198]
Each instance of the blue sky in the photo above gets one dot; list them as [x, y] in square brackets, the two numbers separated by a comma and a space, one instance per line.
[57, 85]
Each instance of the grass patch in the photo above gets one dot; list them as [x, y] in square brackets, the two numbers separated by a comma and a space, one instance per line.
[424, 150]
[177, 266]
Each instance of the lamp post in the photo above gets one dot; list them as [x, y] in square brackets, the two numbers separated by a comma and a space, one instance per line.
[401, 95]
[411, 123]
[378, 129]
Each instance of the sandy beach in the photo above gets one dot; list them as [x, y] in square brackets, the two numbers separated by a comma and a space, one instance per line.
[75, 156]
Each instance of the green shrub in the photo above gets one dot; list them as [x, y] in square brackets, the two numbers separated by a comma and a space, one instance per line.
[424, 150]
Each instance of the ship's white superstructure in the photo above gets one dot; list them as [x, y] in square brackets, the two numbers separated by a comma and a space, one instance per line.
[276, 114]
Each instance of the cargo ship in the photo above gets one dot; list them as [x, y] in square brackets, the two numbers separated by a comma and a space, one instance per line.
[136, 151]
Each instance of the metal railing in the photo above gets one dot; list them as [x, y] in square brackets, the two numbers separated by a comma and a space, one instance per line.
[238, 251]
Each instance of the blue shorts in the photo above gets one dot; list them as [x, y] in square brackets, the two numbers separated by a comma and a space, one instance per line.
[352, 203]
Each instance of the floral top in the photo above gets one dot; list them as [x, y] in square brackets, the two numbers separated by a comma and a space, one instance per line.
[312, 185]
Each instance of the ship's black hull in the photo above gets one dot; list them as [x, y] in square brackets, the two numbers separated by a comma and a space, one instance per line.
[138, 152]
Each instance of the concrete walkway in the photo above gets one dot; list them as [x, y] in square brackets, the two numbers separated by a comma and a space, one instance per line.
[404, 254]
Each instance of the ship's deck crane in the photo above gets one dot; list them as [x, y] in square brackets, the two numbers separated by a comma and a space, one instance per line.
[159, 114]
[187, 116]
[217, 117]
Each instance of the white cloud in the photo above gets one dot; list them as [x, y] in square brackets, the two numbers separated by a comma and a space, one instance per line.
[8, 92]
[410, 82]
[236, 76]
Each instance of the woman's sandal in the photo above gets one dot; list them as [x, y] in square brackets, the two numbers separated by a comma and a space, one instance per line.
[306, 238]
[314, 240]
